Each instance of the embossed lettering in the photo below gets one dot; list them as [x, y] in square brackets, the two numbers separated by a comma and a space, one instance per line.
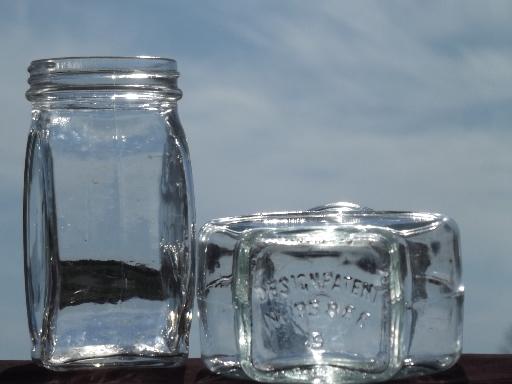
[272, 289]
[369, 292]
[315, 340]
[314, 305]
[347, 311]
[356, 287]
[337, 282]
[363, 317]
[284, 286]
[300, 308]
[332, 308]
[347, 281]
[272, 315]
[302, 281]
[321, 282]
[315, 280]
[327, 278]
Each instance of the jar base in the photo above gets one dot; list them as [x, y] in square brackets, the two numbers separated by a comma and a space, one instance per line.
[225, 365]
[116, 361]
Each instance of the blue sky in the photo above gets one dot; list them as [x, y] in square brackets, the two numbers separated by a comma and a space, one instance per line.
[288, 105]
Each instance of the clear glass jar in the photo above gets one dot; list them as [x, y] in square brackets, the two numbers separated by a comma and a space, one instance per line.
[108, 214]
[338, 294]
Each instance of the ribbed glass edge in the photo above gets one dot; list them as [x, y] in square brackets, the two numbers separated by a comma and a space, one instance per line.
[102, 64]
[102, 77]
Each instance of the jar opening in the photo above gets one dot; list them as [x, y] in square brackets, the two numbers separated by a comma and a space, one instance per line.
[102, 77]
[407, 223]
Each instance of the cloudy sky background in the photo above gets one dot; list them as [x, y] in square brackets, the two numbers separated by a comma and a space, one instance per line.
[288, 105]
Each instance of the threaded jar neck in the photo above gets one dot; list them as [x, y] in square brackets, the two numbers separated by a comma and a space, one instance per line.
[99, 81]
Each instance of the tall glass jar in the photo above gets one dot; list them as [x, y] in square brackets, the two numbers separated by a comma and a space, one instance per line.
[108, 214]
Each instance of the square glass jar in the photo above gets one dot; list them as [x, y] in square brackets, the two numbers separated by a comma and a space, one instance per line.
[429, 295]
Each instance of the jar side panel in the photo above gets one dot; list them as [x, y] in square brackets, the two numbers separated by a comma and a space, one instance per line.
[177, 231]
[124, 238]
[436, 308]
[39, 238]
[215, 300]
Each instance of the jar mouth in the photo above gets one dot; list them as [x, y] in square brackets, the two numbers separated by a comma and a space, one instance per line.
[98, 76]
[102, 64]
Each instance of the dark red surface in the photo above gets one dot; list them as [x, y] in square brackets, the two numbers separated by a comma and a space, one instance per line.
[469, 369]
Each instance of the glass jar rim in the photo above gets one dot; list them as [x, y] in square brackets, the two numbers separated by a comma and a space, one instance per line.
[102, 78]
[407, 223]
[102, 64]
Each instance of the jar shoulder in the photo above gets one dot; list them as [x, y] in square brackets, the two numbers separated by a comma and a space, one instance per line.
[98, 130]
